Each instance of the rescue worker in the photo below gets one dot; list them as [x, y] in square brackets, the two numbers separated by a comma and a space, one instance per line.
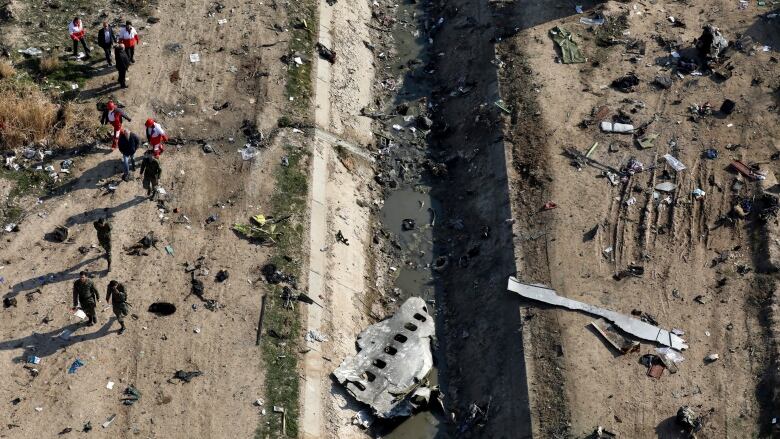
[86, 295]
[156, 137]
[78, 34]
[129, 37]
[128, 145]
[113, 115]
[106, 39]
[122, 64]
[103, 228]
[151, 170]
[116, 292]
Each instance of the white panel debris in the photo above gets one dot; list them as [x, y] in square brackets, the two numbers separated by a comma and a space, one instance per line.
[394, 358]
[628, 324]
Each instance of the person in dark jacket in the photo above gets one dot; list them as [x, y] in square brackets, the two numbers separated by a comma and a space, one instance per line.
[106, 38]
[151, 170]
[116, 292]
[128, 145]
[122, 64]
[86, 295]
[103, 229]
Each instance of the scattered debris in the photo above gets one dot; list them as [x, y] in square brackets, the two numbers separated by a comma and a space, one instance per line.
[222, 275]
[363, 419]
[108, 421]
[688, 420]
[341, 239]
[674, 163]
[313, 335]
[394, 359]
[711, 43]
[711, 358]
[77, 363]
[614, 338]
[570, 52]
[131, 395]
[325, 53]
[162, 308]
[186, 376]
[621, 128]
[625, 83]
[666, 186]
[630, 325]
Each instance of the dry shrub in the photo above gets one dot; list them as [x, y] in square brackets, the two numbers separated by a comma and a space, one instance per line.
[26, 115]
[6, 70]
[48, 64]
[72, 125]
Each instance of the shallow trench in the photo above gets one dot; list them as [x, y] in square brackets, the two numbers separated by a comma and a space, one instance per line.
[447, 203]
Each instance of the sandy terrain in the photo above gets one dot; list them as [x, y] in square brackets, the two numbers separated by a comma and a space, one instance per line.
[676, 244]
[221, 343]
[337, 272]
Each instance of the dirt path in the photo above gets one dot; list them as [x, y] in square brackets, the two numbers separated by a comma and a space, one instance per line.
[337, 271]
[220, 343]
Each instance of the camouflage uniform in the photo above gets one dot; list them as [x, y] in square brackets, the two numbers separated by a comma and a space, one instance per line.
[86, 295]
[151, 170]
[103, 227]
[117, 296]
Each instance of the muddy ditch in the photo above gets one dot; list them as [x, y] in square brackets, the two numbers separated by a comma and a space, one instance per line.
[445, 227]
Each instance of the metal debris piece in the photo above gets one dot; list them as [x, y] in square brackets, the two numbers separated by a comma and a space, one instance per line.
[614, 338]
[394, 359]
[633, 326]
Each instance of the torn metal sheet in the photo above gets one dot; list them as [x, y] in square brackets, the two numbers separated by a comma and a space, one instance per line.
[394, 358]
[630, 325]
[614, 338]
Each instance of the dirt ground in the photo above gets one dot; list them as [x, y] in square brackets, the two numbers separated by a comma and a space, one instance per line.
[219, 343]
[675, 243]
[532, 371]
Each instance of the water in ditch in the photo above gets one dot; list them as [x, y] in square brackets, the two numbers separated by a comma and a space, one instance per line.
[409, 212]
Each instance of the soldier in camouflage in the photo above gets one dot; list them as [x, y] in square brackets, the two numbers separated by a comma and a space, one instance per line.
[103, 228]
[116, 293]
[86, 295]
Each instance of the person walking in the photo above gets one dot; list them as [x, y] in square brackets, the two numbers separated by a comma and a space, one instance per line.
[151, 170]
[103, 228]
[122, 64]
[128, 145]
[113, 115]
[106, 39]
[78, 34]
[156, 137]
[116, 292]
[85, 295]
[129, 37]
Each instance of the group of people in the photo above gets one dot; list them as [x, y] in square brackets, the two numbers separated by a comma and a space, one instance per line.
[123, 45]
[86, 296]
[128, 142]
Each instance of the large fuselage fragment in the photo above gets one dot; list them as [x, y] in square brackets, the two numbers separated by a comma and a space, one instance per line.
[633, 326]
[394, 358]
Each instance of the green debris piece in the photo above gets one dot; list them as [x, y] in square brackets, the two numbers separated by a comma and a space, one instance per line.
[265, 233]
[570, 53]
[502, 105]
[648, 141]
[169, 250]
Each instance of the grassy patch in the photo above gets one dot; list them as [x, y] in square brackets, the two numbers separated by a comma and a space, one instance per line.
[25, 182]
[281, 354]
[303, 24]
